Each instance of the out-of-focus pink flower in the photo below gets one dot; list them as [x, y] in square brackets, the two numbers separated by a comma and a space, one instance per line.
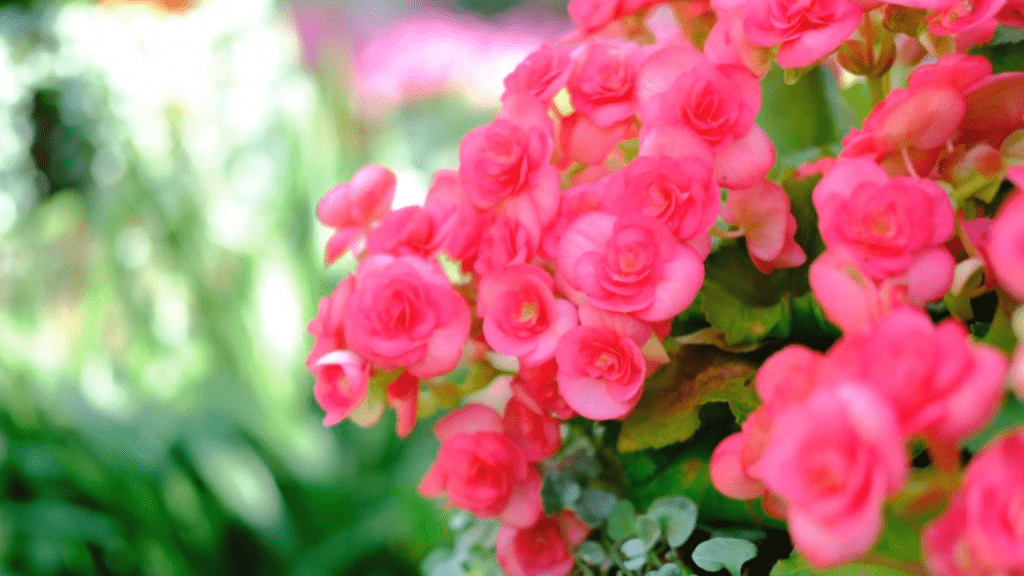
[341, 384]
[603, 83]
[600, 372]
[407, 231]
[352, 207]
[788, 377]
[980, 535]
[917, 120]
[630, 264]
[327, 328]
[576, 201]
[540, 384]
[1012, 14]
[727, 44]
[940, 385]
[429, 53]
[762, 213]
[698, 108]
[403, 312]
[833, 460]
[1006, 246]
[581, 140]
[403, 396]
[957, 17]
[542, 74]
[482, 470]
[733, 459]
[507, 167]
[521, 316]
[546, 548]
[885, 224]
[680, 193]
[593, 15]
[804, 31]
[537, 433]
[506, 242]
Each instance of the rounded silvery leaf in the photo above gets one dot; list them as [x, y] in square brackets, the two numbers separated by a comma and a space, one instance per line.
[729, 553]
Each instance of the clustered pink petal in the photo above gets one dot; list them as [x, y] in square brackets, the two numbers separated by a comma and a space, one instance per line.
[545, 548]
[1006, 246]
[804, 31]
[482, 470]
[352, 207]
[404, 313]
[980, 534]
[762, 213]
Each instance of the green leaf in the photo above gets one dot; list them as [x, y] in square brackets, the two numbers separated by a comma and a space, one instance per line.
[742, 323]
[1000, 333]
[667, 570]
[558, 491]
[634, 548]
[804, 99]
[1011, 415]
[1008, 35]
[668, 411]
[620, 521]
[796, 566]
[594, 506]
[648, 530]
[729, 553]
[591, 553]
[677, 516]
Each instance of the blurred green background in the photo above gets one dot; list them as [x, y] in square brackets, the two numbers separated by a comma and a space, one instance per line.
[159, 260]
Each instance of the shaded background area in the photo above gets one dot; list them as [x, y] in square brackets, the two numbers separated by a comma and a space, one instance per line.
[159, 169]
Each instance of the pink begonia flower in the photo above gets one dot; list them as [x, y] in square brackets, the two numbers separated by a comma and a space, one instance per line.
[833, 460]
[505, 166]
[762, 213]
[540, 384]
[403, 396]
[506, 242]
[995, 108]
[726, 44]
[733, 459]
[481, 470]
[957, 17]
[342, 380]
[680, 193]
[1006, 246]
[544, 549]
[940, 384]
[576, 201]
[352, 207]
[542, 74]
[521, 316]
[537, 433]
[980, 534]
[406, 231]
[1012, 14]
[593, 15]
[600, 372]
[1015, 373]
[603, 83]
[326, 328]
[911, 123]
[630, 264]
[581, 140]
[855, 302]
[403, 312]
[884, 223]
[804, 31]
[788, 377]
[698, 108]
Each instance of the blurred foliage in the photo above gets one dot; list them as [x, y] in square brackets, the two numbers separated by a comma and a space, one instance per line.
[158, 262]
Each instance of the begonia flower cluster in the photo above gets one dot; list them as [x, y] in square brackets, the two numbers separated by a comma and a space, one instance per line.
[582, 221]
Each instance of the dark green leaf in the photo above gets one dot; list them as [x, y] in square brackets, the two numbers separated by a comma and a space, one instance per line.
[668, 412]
